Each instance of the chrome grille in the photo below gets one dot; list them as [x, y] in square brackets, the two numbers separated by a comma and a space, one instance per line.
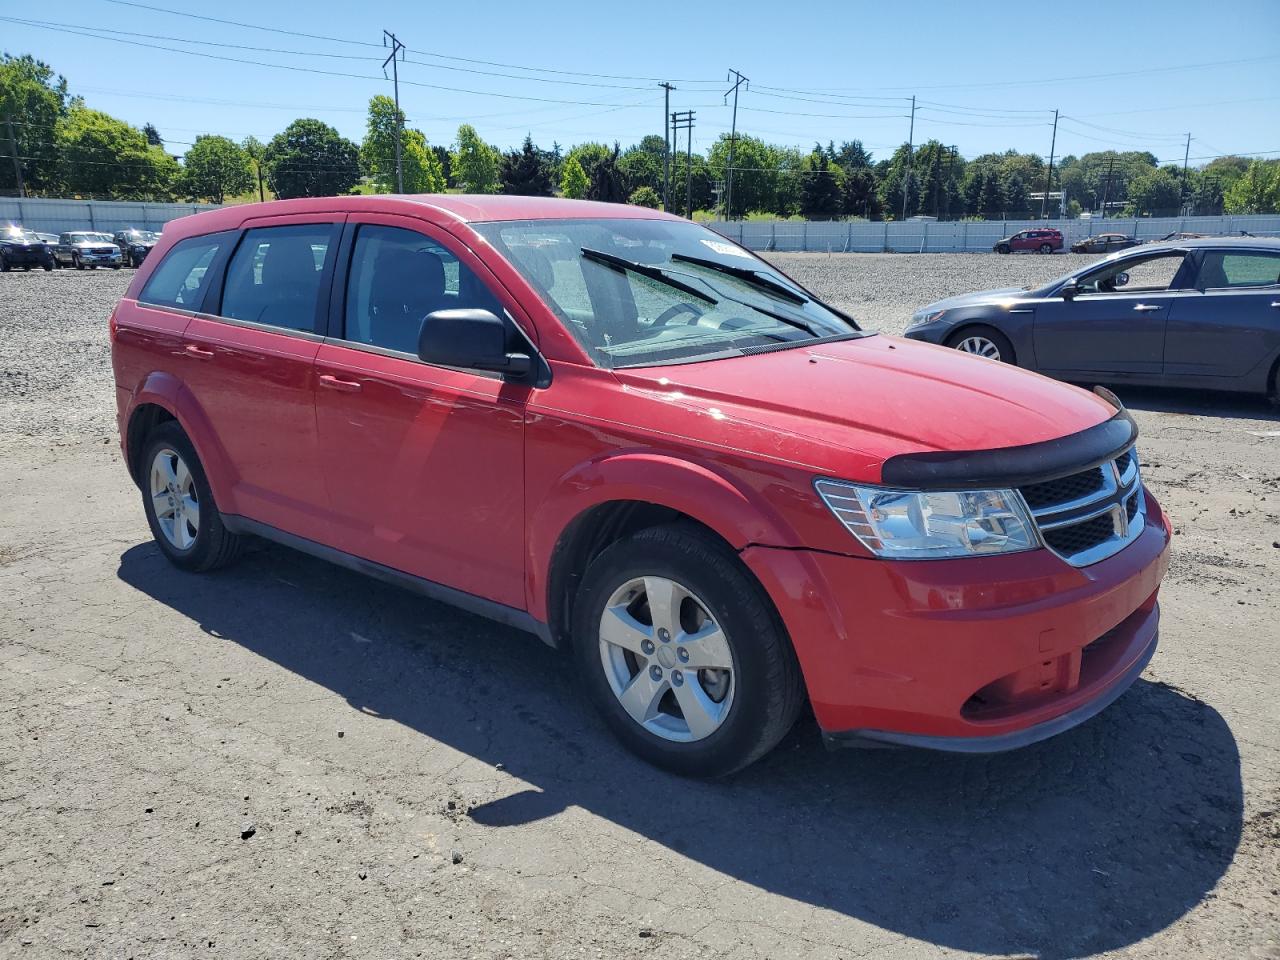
[1090, 515]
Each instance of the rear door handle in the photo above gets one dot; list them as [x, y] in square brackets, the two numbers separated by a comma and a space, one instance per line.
[1276, 303]
[1147, 307]
[334, 383]
[200, 353]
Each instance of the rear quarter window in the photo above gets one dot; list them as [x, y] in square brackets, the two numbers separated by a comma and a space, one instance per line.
[182, 277]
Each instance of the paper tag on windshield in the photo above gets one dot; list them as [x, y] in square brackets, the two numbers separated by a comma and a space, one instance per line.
[726, 249]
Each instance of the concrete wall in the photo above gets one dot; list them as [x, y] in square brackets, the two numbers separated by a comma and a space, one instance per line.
[57, 216]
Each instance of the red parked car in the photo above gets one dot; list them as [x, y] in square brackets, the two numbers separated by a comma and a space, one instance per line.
[625, 434]
[1040, 240]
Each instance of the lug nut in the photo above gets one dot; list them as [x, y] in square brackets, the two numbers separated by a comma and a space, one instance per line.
[663, 635]
[677, 678]
[655, 672]
[646, 646]
[683, 654]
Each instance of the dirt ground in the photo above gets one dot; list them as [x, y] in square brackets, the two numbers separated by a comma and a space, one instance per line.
[288, 760]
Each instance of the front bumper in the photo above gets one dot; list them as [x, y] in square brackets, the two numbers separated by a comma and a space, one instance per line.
[96, 259]
[974, 655]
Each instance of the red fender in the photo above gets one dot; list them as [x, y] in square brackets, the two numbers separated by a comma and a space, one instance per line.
[737, 513]
[167, 391]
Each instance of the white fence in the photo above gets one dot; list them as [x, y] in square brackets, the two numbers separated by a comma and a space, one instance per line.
[924, 236]
[58, 216]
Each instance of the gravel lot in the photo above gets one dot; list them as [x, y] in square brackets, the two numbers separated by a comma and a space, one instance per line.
[288, 760]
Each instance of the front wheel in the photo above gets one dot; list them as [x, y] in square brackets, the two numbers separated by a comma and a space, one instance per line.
[179, 504]
[683, 653]
[77, 262]
[983, 342]
[1004, 248]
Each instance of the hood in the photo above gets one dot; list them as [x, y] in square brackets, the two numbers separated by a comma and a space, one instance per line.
[844, 408]
[973, 299]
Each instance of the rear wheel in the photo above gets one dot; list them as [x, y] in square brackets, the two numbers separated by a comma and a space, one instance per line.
[1046, 248]
[48, 266]
[179, 504]
[683, 654]
[983, 342]
[4, 264]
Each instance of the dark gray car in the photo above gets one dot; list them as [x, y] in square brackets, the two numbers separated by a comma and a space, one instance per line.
[1199, 313]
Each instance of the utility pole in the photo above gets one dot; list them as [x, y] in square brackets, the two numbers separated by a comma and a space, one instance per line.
[1106, 189]
[666, 155]
[911, 145]
[733, 137]
[1048, 180]
[684, 121]
[17, 163]
[396, 48]
[952, 154]
[1182, 192]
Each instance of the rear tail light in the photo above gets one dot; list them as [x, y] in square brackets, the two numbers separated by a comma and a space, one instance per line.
[111, 323]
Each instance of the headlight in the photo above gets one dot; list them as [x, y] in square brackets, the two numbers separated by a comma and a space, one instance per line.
[913, 524]
[925, 316]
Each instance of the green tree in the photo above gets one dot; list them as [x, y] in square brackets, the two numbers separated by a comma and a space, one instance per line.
[256, 151]
[858, 198]
[991, 202]
[214, 169]
[1257, 190]
[311, 159]
[152, 134]
[573, 179]
[819, 188]
[1155, 193]
[475, 163]
[1016, 201]
[35, 100]
[420, 167]
[852, 156]
[645, 196]
[100, 156]
[523, 172]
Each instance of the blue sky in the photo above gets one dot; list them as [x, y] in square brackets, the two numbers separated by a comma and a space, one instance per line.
[1131, 75]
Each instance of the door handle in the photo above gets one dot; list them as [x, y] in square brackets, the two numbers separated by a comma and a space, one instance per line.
[200, 353]
[1147, 307]
[334, 383]
[1276, 304]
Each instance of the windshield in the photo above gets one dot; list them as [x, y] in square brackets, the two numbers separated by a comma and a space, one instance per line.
[20, 235]
[91, 238]
[644, 292]
[141, 236]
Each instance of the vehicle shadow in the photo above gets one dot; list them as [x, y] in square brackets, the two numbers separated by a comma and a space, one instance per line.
[1088, 842]
[1202, 403]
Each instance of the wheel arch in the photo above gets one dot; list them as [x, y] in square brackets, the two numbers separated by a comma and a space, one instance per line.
[604, 501]
[1019, 339]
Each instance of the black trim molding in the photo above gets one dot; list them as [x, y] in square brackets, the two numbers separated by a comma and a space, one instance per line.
[520, 619]
[1015, 466]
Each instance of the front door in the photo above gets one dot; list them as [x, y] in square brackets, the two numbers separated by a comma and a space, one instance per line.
[1115, 325]
[248, 363]
[424, 465]
[1232, 322]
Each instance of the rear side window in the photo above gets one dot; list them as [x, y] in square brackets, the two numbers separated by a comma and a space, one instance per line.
[274, 276]
[1245, 268]
[182, 277]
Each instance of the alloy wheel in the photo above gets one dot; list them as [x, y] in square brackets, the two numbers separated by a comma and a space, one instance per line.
[667, 659]
[979, 346]
[174, 498]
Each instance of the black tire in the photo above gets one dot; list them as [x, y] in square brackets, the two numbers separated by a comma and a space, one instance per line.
[26, 268]
[115, 266]
[214, 545]
[1004, 248]
[768, 691]
[77, 262]
[4, 264]
[990, 333]
[1046, 248]
[47, 267]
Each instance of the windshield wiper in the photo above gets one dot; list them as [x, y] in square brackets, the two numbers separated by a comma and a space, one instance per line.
[646, 270]
[756, 278]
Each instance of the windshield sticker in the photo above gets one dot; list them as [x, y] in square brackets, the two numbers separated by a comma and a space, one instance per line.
[726, 249]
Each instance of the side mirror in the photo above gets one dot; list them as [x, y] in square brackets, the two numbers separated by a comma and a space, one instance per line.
[471, 339]
[1070, 291]
[1120, 279]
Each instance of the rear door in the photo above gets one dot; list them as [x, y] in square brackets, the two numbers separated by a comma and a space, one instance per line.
[1115, 325]
[248, 361]
[1231, 323]
[424, 464]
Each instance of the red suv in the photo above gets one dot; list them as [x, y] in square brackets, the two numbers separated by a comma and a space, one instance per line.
[1042, 240]
[632, 438]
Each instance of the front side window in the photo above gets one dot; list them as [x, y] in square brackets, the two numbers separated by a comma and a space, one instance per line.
[1135, 275]
[1245, 268]
[274, 277]
[637, 292]
[398, 277]
[182, 277]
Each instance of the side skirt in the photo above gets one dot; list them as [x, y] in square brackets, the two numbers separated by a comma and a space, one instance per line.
[501, 613]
